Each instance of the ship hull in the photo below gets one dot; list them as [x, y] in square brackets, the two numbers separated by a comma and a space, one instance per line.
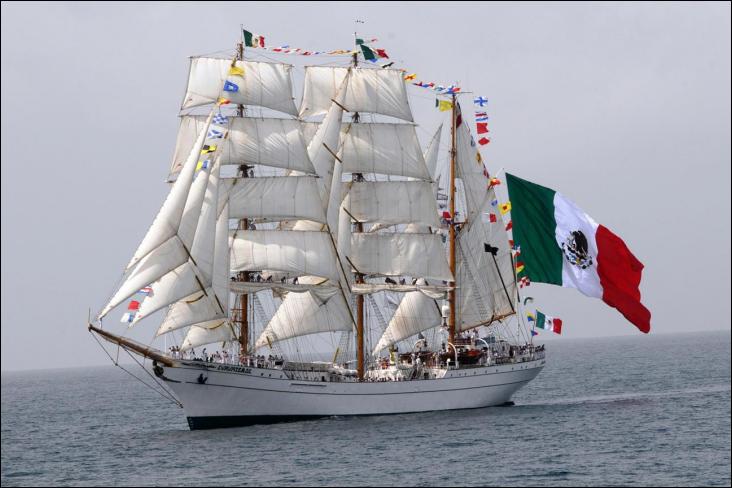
[217, 395]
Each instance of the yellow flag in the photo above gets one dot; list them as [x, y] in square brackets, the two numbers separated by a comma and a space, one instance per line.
[236, 71]
[410, 77]
[222, 101]
[505, 208]
[445, 105]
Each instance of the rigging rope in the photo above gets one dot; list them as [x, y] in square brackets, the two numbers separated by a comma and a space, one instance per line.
[167, 395]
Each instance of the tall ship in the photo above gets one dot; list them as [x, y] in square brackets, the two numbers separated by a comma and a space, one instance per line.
[311, 259]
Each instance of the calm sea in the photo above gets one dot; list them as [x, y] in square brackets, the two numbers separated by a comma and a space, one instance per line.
[651, 411]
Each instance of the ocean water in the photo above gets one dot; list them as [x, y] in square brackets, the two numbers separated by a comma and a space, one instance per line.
[639, 410]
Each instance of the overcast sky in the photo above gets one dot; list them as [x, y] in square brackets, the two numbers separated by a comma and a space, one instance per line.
[623, 108]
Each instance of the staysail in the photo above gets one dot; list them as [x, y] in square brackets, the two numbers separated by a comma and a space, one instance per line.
[169, 240]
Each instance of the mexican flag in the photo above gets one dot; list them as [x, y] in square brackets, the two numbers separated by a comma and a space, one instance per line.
[545, 322]
[252, 40]
[562, 245]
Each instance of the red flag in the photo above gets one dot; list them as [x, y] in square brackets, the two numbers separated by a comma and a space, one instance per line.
[557, 325]
[382, 53]
[495, 181]
[509, 225]
[492, 217]
[482, 127]
[446, 215]
[134, 305]
[620, 276]
[483, 141]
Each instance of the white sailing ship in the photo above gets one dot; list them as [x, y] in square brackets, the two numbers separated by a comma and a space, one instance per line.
[291, 232]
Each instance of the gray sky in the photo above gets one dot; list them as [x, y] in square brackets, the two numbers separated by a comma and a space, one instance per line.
[623, 108]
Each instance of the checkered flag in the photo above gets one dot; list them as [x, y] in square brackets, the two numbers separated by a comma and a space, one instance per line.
[219, 119]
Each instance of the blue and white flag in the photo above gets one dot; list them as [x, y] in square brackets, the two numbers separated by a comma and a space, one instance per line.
[230, 87]
[215, 134]
[220, 119]
[128, 317]
[480, 101]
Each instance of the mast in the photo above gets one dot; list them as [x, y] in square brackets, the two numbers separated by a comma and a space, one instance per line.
[453, 152]
[243, 225]
[359, 277]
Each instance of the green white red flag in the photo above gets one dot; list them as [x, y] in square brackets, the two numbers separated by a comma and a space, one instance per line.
[252, 40]
[546, 322]
[562, 245]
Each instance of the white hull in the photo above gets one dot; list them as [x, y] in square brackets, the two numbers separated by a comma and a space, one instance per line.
[234, 395]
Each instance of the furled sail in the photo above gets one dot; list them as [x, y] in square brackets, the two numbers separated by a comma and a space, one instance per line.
[264, 84]
[417, 312]
[307, 313]
[296, 252]
[276, 198]
[395, 254]
[432, 291]
[214, 302]
[391, 149]
[279, 287]
[393, 202]
[267, 141]
[379, 91]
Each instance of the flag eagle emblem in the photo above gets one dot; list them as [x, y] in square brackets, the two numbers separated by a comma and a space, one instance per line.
[575, 250]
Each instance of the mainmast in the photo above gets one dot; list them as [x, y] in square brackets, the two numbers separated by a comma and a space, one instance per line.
[359, 277]
[243, 225]
[453, 153]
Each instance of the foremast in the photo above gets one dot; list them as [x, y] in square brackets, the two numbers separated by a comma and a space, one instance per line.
[243, 276]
